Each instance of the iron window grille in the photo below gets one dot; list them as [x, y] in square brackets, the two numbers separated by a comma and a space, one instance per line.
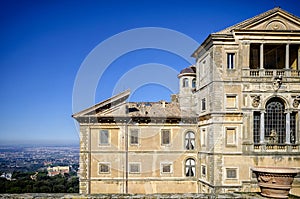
[275, 122]
[256, 127]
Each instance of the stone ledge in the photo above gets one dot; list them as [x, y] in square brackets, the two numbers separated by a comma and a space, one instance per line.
[133, 196]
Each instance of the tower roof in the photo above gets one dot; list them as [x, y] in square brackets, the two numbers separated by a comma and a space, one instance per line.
[189, 71]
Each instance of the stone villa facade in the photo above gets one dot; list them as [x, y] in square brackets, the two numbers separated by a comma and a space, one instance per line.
[237, 108]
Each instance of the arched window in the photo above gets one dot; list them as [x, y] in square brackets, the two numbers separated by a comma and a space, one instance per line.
[275, 125]
[190, 140]
[190, 169]
[275, 122]
[194, 83]
[185, 82]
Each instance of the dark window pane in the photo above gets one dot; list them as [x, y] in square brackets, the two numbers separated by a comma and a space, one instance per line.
[134, 136]
[166, 168]
[231, 173]
[104, 168]
[165, 136]
[134, 168]
[256, 127]
[293, 127]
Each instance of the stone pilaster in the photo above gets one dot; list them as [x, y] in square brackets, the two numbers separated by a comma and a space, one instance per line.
[83, 160]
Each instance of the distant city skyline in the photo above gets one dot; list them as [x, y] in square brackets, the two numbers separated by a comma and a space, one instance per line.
[43, 45]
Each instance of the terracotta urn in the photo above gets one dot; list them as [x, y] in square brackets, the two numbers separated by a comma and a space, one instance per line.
[275, 182]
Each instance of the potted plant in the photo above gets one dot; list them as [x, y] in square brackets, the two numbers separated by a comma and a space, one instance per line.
[275, 182]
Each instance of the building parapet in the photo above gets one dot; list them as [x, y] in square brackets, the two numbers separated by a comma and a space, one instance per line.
[276, 148]
[254, 73]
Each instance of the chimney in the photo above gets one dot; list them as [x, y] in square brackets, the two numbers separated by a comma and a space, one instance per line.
[163, 103]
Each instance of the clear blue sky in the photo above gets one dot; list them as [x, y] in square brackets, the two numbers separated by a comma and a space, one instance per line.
[43, 44]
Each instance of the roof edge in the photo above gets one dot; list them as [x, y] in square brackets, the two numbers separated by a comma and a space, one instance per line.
[121, 96]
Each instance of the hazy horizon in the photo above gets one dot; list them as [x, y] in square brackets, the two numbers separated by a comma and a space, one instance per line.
[23, 143]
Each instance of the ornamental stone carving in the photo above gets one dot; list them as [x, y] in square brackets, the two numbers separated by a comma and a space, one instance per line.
[276, 25]
[296, 102]
[277, 82]
[256, 101]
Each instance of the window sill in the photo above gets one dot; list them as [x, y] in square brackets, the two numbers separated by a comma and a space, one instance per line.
[231, 145]
[103, 145]
[166, 174]
[166, 145]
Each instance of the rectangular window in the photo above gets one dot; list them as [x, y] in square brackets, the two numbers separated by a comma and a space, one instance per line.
[134, 168]
[166, 168]
[230, 136]
[203, 104]
[134, 136]
[104, 137]
[165, 137]
[104, 168]
[231, 101]
[256, 127]
[293, 127]
[203, 137]
[230, 60]
[203, 170]
[231, 173]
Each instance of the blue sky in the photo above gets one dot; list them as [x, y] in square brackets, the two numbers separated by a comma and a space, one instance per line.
[43, 44]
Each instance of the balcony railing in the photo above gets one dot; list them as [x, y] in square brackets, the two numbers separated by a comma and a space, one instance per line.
[270, 73]
[276, 148]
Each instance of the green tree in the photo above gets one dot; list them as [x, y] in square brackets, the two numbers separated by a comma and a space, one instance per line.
[45, 189]
[59, 188]
[3, 185]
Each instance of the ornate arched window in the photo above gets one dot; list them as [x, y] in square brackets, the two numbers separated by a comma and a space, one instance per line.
[190, 140]
[275, 122]
[190, 168]
[275, 125]
[185, 82]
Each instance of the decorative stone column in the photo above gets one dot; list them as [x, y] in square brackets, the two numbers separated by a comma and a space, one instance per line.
[261, 56]
[287, 56]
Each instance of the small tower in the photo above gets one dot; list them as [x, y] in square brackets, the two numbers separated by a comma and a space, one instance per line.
[187, 86]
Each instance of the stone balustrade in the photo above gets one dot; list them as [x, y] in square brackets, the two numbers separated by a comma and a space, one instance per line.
[276, 148]
[270, 73]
